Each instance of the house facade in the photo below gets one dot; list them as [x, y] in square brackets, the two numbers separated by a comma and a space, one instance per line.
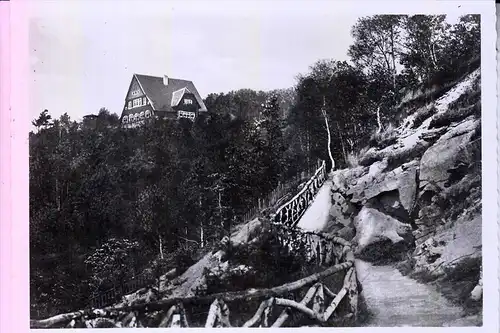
[160, 97]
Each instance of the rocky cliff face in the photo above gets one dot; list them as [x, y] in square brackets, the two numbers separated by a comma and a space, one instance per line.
[416, 198]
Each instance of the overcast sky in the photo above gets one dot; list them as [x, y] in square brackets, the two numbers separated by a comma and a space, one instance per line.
[84, 53]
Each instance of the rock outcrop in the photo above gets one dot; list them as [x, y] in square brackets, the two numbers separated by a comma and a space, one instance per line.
[446, 153]
[420, 197]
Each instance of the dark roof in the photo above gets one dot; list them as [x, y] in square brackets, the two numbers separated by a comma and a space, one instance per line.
[161, 95]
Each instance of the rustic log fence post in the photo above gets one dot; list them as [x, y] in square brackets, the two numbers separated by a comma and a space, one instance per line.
[319, 301]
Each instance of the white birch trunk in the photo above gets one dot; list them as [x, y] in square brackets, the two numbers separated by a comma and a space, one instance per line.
[202, 239]
[393, 55]
[329, 135]
[379, 122]
[433, 56]
[161, 246]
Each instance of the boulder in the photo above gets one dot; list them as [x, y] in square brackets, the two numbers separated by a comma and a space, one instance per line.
[403, 179]
[246, 232]
[346, 233]
[373, 227]
[444, 155]
[452, 251]
[343, 179]
[477, 293]
[340, 209]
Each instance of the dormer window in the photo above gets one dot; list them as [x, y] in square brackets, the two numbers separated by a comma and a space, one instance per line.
[144, 101]
[130, 104]
[188, 101]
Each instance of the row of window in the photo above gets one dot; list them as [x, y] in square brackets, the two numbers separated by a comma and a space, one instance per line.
[186, 114]
[136, 117]
[137, 102]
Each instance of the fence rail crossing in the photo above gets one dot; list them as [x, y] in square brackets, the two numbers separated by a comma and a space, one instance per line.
[333, 252]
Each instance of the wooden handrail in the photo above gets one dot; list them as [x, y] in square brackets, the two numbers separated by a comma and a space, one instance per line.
[321, 246]
[250, 294]
[323, 165]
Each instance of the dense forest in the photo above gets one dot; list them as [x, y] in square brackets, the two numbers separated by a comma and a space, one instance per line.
[106, 203]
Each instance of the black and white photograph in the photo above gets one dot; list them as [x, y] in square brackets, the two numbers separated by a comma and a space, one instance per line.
[212, 164]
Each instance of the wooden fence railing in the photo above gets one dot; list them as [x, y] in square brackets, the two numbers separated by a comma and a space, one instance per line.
[324, 250]
[115, 294]
[291, 212]
[332, 252]
[279, 192]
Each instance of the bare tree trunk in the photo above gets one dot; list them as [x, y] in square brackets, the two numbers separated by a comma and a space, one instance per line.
[329, 134]
[58, 202]
[433, 55]
[393, 55]
[344, 151]
[202, 240]
[161, 246]
[220, 209]
[379, 122]
[308, 149]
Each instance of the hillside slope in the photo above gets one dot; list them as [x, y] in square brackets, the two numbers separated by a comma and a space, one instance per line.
[415, 197]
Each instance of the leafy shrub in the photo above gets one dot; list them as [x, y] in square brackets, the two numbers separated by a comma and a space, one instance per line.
[352, 159]
[271, 263]
[384, 138]
[113, 263]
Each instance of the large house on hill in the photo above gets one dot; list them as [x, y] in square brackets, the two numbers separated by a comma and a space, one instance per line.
[160, 97]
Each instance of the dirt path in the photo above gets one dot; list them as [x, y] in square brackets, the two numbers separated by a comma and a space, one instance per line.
[392, 299]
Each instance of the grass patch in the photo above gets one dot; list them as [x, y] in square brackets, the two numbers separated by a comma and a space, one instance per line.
[443, 81]
[386, 137]
[469, 103]
[394, 157]
[422, 114]
[353, 158]
[454, 115]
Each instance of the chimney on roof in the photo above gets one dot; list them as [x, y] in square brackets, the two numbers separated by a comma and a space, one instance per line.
[165, 80]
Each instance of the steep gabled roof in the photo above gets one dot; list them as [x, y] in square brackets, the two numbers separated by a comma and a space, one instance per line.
[162, 96]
